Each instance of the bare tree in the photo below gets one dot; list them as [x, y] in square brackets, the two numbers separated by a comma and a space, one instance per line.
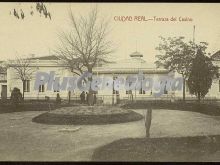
[86, 44]
[3, 67]
[23, 70]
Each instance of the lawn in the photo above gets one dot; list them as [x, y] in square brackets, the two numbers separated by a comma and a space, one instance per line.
[33, 105]
[197, 148]
[204, 108]
[172, 131]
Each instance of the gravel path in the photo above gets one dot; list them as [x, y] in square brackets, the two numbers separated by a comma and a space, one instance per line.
[22, 140]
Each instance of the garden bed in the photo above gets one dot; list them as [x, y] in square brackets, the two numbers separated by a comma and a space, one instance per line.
[83, 115]
[197, 148]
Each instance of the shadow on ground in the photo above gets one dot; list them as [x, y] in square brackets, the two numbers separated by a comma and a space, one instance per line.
[198, 148]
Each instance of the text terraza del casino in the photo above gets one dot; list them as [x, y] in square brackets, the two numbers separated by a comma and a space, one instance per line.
[154, 18]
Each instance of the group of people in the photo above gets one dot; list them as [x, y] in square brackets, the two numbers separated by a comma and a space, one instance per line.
[84, 97]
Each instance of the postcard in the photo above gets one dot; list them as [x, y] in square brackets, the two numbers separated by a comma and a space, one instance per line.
[130, 82]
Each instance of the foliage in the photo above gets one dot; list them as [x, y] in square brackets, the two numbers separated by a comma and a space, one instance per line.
[16, 96]
[40, 8]
[201, 75]
[175, 54]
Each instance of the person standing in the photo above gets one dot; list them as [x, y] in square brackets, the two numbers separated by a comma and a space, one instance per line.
[82, 97]
[95, 99]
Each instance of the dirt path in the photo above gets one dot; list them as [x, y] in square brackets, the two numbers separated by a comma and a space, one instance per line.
[22, 140]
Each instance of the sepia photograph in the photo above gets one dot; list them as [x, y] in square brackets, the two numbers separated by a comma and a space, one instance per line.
[109, 82]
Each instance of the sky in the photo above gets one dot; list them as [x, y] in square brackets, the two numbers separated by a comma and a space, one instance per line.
[39, 36]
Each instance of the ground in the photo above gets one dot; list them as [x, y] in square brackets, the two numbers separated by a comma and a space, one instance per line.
[22, 140]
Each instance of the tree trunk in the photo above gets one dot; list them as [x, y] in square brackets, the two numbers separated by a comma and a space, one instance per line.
[90, 93]
[199, 97]
[148, 118]
[69, 96]
[184, 86]
[23, 90]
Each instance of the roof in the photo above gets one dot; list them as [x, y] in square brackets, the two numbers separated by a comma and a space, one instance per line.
[51, 57]
[131, 63]
[130, 71]
[216, 56]
[136, 54]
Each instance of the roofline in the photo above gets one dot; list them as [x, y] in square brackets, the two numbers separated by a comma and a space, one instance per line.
[131, 71]
[215, 54]
[136, 55]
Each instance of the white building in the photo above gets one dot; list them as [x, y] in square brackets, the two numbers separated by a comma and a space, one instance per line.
[215, 89]
[3, 81]
[123, 68]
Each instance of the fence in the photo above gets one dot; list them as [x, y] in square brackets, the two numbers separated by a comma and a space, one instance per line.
[112, 99]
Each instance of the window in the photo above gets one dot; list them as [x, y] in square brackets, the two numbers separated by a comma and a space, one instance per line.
[57, 86]
[141, 91]
[129, 84]
[41, 88]
[56, 90]
[129, 92]
[26, 85]
[114, 91]
[165, 90]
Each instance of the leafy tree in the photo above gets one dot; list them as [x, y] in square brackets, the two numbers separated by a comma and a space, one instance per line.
[86, 45]
[201, 75]
[177, 55]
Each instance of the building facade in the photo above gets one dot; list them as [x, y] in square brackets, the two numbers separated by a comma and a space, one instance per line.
[3, 80]
[133, 65]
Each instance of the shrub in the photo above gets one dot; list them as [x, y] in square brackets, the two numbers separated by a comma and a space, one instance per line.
[58, 99]
[16, 96]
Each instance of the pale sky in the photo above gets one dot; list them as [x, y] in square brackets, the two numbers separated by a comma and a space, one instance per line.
[39, 36]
